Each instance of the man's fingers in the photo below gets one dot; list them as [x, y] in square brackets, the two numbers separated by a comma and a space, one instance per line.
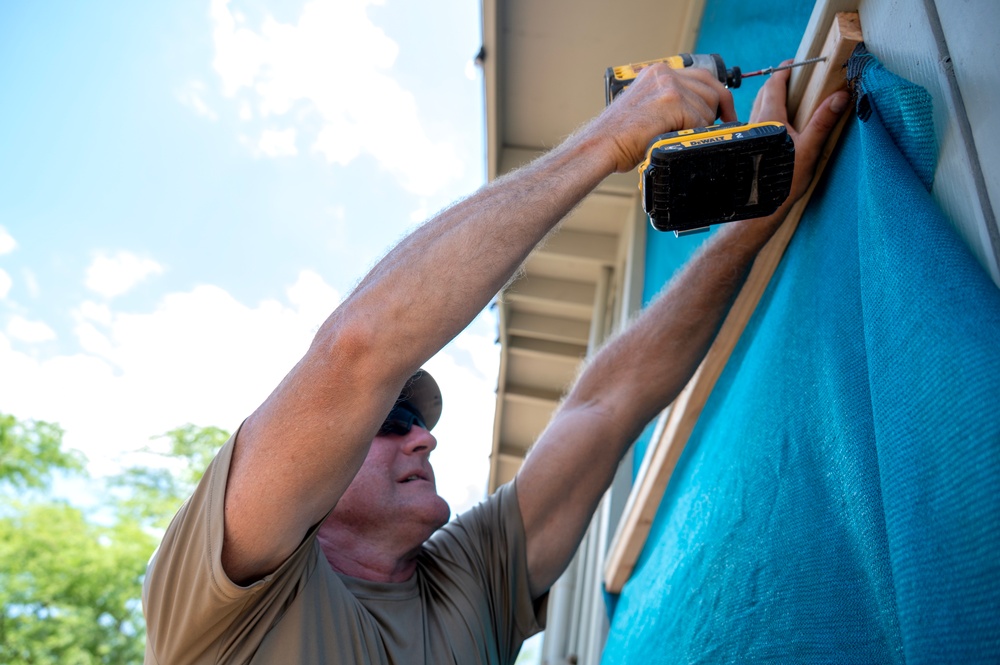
[773, 98]
[824, 119]
[661, 100]
[755, 111]
[809, 142]
[771, 105]
[727, 108]
[707, 97]
[779, 79]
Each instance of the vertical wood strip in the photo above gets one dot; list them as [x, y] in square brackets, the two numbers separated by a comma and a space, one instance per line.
[811, 45]
[844, 35]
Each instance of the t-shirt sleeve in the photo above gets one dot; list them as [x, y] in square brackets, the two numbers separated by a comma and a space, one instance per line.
[194, 612]
[490, 543]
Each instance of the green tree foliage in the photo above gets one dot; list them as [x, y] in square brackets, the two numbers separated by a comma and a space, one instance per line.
[30, 451]
[154, 493]
[70, 588]
[71, 579]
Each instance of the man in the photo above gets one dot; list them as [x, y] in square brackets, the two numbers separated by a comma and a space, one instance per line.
[317, 535]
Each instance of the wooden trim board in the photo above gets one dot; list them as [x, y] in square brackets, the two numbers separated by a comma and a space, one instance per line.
[844, 33]
[811, 45]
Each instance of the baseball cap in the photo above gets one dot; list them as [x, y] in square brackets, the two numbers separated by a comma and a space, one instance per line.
[421, 392]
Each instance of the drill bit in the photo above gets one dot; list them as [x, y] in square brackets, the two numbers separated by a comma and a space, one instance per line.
[771, 70]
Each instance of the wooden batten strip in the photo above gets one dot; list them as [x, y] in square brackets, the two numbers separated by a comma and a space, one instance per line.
[811, 46]
[827, 77]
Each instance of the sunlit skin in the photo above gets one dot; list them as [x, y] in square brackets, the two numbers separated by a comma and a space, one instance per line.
[389, 510]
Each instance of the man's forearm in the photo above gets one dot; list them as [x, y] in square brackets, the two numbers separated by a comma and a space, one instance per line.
[631, 379]
[454, 264]
[655, 358]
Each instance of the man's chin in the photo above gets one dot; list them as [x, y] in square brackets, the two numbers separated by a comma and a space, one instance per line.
[431, 510]
[443, 513]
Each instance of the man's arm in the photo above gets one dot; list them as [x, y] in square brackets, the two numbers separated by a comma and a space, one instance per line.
[638, 374]
[298, 452]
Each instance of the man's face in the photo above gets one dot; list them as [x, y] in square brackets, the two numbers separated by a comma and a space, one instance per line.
[395, 489]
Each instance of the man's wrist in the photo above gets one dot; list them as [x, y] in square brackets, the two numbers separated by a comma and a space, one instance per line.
[597, 141]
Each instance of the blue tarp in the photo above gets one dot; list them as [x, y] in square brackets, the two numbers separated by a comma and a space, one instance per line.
[839, 500]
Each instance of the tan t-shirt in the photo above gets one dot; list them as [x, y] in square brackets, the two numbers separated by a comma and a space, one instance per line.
[468, 602]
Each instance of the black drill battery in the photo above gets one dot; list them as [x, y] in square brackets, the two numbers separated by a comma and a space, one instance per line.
[694, 178]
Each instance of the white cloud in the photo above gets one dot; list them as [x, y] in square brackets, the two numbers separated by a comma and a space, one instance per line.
[5, 283]
[482, 348]
[336, 231]
[32, 332]
[278, 143]
[114, 275]
[31, 283]
[421, 213]
[313, 297]
[192, 97]
[96, 312]
[472, 70]
[200, 356]
[7, 242]
[334, 60]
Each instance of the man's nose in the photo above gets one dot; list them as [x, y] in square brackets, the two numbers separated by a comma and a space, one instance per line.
[418, 440]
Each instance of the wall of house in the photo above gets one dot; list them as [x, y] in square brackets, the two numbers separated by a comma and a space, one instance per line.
[839, 493]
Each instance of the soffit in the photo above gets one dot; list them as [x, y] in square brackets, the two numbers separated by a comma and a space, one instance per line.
[544, 65]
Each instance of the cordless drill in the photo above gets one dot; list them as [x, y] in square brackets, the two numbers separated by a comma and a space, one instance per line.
[694, 178]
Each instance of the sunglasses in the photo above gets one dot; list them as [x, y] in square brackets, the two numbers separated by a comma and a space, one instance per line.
[401, 420]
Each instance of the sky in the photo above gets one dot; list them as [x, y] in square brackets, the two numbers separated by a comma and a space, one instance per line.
[188, 188]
